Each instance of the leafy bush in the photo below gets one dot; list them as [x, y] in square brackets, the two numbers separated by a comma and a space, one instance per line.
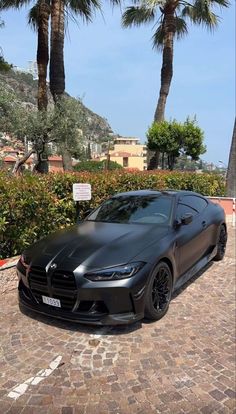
[32, 206]
[94, 166]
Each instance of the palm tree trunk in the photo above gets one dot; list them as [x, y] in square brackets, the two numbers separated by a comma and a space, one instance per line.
[231, 172]
[57, 71]
[42, 55]
[42, 62]
[167, 65]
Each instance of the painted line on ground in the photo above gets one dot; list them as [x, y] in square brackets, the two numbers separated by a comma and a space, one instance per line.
[20, 389]
[7, 263]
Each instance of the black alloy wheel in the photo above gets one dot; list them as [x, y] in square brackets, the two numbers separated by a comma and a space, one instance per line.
[221, 245]
[158, 292]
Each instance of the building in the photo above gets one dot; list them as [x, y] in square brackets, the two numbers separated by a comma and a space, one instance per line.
[55, 163]
[129, 153]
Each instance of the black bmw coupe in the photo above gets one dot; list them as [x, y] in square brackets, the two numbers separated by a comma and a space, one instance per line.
[124, 261]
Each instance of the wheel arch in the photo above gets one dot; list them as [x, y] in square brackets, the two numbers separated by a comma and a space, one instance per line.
[169, 263]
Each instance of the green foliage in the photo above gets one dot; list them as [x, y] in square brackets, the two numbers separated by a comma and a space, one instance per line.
[68, 122]
[94, 166]
[64, 123]
[32, 206]
[173, 139]
[4, 66]
[198, 12]
[193, 137]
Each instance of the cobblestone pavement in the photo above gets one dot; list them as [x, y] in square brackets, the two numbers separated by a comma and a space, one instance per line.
[184, 363]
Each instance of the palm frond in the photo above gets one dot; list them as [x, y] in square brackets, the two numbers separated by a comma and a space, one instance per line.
[84, 8]
[158, 37]
[181, 27]
[221, 3]
[200, 13]
[181, 30]
[33, 16]
[16, 4]
[136, 15]
[35, 11]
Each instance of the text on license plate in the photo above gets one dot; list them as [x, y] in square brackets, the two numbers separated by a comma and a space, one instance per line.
[51, 301]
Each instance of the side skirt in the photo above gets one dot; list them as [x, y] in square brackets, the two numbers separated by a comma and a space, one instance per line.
[195, 269]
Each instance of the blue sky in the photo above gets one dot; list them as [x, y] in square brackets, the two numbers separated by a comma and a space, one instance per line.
[117, 73]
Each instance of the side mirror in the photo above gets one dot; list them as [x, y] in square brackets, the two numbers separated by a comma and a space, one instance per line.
[187, 218]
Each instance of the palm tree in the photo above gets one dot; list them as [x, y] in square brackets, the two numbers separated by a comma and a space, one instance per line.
[170, 19]
[231, 172]
[39, 19]
[60, 9]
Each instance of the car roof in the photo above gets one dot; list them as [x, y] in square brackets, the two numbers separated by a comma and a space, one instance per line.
[147, 192]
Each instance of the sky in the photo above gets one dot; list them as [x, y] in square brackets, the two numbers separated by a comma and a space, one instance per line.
[117, 73]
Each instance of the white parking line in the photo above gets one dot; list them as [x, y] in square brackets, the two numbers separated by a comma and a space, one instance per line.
[40, 376]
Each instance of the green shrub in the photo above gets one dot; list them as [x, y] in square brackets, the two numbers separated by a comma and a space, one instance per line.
[32, 206]
[94, 166]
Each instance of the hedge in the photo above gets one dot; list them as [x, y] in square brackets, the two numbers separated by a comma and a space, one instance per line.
[31, 206]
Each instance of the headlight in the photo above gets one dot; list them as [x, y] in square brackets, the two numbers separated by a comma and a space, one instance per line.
[24, 261]
[115, 273]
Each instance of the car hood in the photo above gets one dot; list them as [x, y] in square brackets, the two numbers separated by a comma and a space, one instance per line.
[95, 245]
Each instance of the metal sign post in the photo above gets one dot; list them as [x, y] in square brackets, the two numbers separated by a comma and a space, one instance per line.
[81, 192]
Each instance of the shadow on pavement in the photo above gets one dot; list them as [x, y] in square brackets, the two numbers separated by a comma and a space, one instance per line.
[83, 328]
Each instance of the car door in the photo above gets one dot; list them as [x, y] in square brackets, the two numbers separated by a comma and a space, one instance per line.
[191, 240]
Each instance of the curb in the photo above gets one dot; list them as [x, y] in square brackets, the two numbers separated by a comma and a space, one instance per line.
[8, 263]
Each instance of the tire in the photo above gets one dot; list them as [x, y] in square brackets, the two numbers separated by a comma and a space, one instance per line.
[158, 292]
[221, 244]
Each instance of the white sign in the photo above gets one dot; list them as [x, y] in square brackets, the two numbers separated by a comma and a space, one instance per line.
[81, 192]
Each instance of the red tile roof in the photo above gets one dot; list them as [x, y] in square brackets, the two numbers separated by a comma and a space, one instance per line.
[55, 158]
[9, 158]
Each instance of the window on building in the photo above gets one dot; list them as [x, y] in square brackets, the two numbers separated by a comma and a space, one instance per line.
[125, 161]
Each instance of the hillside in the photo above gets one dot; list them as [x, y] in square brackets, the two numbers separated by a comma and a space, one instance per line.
[25, 88]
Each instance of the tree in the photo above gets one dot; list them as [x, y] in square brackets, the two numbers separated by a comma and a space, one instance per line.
[39, 19]
[173, 139]
[69, 122]
[170, 25]
[231, 172]
[84, 9]
[63, 123]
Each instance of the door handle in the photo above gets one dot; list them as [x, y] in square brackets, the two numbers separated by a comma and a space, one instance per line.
[204, 224]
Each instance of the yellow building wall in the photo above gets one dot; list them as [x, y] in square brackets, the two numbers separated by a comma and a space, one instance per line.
[132, 149]
[133, 162]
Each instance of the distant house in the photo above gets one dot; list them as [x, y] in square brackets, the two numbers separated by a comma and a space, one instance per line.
[10, 160]
[9, 151]
[55, 163]
[129, 153]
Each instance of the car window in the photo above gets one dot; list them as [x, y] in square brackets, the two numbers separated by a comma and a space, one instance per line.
[198, 203]
[135, 209]
[182, 209]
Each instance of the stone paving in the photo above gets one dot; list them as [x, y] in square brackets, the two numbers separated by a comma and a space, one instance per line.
[184, 363]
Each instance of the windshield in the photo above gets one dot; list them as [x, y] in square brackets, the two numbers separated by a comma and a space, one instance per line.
[151, 209]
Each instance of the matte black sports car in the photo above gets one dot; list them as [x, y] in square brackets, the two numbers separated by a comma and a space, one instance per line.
[123, 262]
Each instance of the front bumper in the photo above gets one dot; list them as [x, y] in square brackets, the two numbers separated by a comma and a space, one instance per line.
[95, 303]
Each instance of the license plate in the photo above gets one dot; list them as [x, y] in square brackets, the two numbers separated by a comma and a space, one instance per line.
[51, 301]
